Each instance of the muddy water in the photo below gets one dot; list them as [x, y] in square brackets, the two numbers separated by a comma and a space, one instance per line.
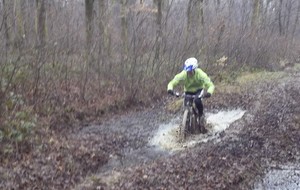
[160, 139]
[166, 137]
[164, 140]
[281, 178]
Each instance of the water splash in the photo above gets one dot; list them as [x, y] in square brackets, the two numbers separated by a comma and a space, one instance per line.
[221, 120]
[166, 137]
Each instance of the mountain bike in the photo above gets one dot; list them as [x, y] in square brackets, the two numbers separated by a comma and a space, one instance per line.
[191, 123]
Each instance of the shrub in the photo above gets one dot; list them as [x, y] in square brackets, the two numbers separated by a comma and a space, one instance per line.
[17, 121]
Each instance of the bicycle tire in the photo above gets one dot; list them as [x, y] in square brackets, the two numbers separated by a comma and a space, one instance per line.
[184, 126]
[202, 125]
[195, 123]
[192, 128]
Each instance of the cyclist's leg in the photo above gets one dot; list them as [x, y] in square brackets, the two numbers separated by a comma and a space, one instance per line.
[199, 104]
[201, 119]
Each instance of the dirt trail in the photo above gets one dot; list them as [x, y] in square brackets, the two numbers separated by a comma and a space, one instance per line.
[126, 152]
[238, 157]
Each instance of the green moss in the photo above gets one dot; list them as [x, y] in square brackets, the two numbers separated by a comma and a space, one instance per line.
[247, 77]
[236, 81]
[297, 67]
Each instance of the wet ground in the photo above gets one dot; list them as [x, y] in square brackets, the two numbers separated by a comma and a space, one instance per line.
[254, 143]
[166, 137]
[160, 140]
[285, 177]
[249, 131]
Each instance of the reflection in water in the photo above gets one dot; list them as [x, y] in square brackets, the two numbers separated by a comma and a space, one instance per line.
[166, 137]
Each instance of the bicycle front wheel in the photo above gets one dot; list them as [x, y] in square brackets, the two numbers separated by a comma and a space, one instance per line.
[194, 124]
[184, 126]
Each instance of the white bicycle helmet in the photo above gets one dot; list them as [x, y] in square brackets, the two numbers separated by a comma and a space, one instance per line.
[190, 64]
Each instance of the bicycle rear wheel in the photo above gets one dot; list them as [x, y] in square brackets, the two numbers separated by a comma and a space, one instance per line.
[202, 123]
[195, 125]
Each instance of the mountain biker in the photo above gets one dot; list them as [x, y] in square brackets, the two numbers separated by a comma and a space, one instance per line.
[194, 80]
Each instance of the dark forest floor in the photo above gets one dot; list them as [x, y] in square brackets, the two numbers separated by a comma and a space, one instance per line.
[269, 133]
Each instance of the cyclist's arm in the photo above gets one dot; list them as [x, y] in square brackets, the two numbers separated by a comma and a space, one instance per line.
[208, 84]
[180, 77]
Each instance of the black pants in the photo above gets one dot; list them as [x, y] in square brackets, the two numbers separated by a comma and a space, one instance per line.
[198, 101]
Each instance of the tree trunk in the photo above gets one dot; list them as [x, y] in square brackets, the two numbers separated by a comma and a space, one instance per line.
[265, 12]
[288, 17]
[158, 31]
[40, 29]
[255, 14]
[124, 39]
[102, 33]
[189, 19]
[195, 25]
[104, 39]
[195, 16]
[296, 22]
[5, 25]
[217, 4]
[201, 14]
[124, 26]
[281, 30]
[41, 23]
[89, 7]
[19, 24]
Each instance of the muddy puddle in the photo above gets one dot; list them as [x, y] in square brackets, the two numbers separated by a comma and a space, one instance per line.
[166, 137]
[280, 178]
[163, 141]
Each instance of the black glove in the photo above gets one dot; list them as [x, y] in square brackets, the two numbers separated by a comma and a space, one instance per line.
[171, 92]
[207, 95]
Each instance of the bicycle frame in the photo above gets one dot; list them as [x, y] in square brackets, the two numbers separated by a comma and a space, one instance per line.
[189, 122]
[189, 103]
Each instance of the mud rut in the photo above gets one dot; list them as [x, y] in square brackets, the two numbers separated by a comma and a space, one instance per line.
[245, 156]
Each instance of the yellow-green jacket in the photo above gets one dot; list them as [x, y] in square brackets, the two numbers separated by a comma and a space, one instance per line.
[199, 80]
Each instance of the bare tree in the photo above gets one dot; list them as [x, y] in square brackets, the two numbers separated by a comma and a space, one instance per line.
[296, 24]
[124, 27]
[195, 24]
[41, 23]
[140, 41]
[102, 30]
[89, 6]
[158, 40]
[124, 39]
[104, 36]
[255, 13]
[5, 24]
[20, 28]
[280, 22]
[195, 16]
[89, 18]
[288, 14]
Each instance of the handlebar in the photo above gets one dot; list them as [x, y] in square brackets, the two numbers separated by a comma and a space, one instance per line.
[201, 95]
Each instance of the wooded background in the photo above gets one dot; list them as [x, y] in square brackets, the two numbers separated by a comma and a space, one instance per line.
[60, 56]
